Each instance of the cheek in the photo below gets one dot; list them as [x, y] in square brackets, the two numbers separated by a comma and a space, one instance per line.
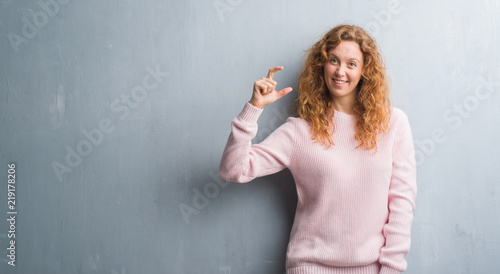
[356, 75]
[328, 70]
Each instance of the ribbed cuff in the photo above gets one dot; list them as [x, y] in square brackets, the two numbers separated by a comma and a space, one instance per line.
[322, 269]
[250, 113]
[387, 270]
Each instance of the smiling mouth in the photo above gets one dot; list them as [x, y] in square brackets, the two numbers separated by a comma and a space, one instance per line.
[339, 81]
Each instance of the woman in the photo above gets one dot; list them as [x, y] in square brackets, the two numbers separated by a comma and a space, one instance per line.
[351, 155]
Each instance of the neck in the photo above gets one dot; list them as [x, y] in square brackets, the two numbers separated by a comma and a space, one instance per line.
[345, 103]
[343, 106]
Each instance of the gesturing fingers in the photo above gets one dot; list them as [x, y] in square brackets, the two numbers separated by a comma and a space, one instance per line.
[266, 85]
[271, 72]
[264, 92]
[284, 91]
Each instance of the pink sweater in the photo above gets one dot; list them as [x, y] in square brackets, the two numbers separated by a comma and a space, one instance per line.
[355, 207]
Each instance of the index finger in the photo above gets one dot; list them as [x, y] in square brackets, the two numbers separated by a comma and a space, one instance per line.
[272, 71]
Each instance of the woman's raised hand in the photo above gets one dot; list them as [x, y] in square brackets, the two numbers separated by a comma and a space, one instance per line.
[264, 92]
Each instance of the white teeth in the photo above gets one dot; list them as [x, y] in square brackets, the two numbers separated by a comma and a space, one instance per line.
[339, 82]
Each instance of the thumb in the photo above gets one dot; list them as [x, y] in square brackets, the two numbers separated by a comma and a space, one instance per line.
[284, 91]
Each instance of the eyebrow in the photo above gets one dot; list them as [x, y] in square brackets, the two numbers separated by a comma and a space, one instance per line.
[350, 59]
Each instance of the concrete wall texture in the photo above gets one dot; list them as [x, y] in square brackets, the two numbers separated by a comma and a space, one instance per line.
[114, 115]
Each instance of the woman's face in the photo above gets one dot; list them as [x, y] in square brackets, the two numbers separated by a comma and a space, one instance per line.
[342, 72]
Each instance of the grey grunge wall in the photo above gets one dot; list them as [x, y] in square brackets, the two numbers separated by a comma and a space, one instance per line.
[114, 116]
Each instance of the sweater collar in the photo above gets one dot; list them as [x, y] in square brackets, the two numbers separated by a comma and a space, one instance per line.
[343, 116]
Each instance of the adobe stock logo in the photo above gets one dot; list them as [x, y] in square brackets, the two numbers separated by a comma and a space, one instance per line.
[455, 115]
[201, 199]
[383, 17]
[5, 3]
[94, 137]
[30, 29]
[224, 6]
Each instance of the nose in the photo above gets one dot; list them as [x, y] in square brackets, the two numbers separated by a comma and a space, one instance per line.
[340, 71]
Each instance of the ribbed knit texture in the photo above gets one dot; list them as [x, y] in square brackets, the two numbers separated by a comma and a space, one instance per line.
[355, 207]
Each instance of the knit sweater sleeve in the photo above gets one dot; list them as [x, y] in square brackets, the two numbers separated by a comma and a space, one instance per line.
[241, 161]
[401, 203]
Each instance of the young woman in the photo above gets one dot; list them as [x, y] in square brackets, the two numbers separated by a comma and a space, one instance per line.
[351, 155]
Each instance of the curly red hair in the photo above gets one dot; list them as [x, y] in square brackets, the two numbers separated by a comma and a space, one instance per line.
[372, 106]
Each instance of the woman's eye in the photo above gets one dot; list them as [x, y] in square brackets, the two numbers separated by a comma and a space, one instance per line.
[333, 61]
[352, 64]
